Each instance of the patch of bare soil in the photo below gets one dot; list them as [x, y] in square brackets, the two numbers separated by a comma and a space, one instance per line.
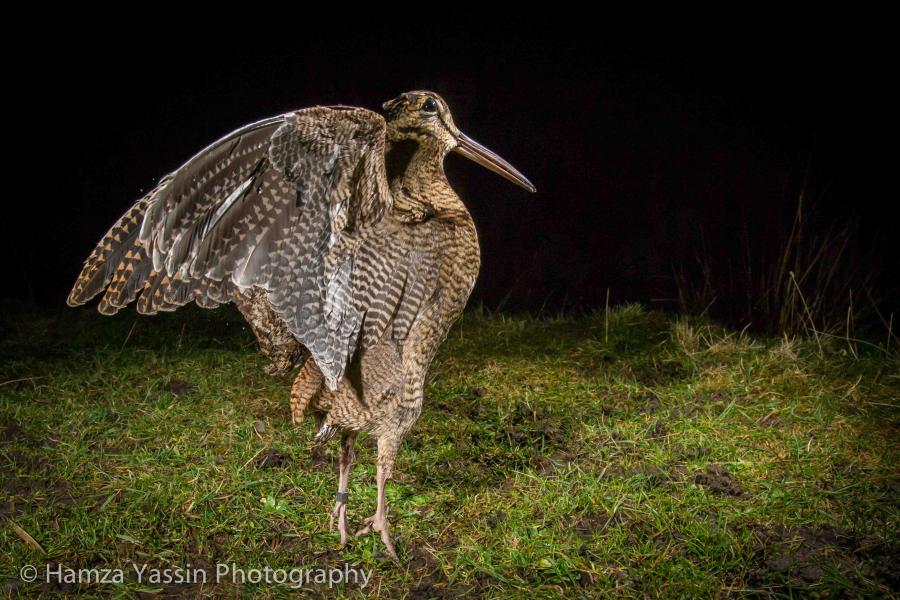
[179, 387]
[802, 558]
[531, 428]
[495, 518]
[690, 452]
[548, 465]
[719, 482]
[430, 579]
[272, 459]
[11, 431]
[31, 480]
[596, 522]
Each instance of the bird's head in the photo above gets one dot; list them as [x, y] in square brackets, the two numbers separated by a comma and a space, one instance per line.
[425, 118]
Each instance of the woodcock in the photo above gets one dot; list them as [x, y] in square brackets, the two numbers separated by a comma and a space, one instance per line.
[336, 266]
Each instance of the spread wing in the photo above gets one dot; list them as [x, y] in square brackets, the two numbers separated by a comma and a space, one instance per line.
[292, 205]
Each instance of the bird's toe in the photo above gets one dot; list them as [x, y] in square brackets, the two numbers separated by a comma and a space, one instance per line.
[380, 525]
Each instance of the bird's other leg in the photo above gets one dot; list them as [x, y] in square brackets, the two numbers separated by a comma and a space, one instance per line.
[345, 464]
[387, 452]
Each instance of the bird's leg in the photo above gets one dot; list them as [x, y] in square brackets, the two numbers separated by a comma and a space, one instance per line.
[387, 452]
[348, 455]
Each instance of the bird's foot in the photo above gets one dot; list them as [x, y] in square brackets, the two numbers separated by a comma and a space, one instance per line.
[379, 523]
[339, 514]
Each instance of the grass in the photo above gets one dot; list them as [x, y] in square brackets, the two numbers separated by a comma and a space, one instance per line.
[625, 454]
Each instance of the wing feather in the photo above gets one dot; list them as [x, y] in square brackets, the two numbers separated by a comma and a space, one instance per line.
[293, 205]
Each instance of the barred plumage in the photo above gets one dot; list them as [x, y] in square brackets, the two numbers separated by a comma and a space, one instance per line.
[293, 219]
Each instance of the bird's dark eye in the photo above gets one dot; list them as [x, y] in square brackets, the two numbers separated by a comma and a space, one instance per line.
[429, 105]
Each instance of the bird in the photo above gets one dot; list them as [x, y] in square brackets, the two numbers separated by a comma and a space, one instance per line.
[335, 232]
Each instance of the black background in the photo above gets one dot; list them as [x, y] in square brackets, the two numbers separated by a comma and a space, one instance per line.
[648, 148]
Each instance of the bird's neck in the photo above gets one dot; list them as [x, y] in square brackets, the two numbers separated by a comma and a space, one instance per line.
[424, 179]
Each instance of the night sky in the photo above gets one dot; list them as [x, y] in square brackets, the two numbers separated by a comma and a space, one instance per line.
[648, 150]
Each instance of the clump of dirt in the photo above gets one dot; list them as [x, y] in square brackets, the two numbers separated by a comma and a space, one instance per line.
[272, 459]
[427, 589]
[529, 428]
[690, 452]
[552, 432]
[59, 587]
[282, 539]
[650, 401]
[421, 561]
[801, 558]
[595, 522]
[516, 436]
[719, 482]
[431, 582]
[218, 545]
[548, 465]
[851, 409]
[12, 432]
[179, 387]
[667, 538]
[716, 399]
[642, 532]
[465, 470]
[687, 411]
[494, 518]
[31, 480]
[659, 429]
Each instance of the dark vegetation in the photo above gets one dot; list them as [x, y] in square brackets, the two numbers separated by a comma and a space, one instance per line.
[811, 274]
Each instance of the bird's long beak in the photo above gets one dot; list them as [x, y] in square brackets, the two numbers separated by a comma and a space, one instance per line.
[484, 157]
